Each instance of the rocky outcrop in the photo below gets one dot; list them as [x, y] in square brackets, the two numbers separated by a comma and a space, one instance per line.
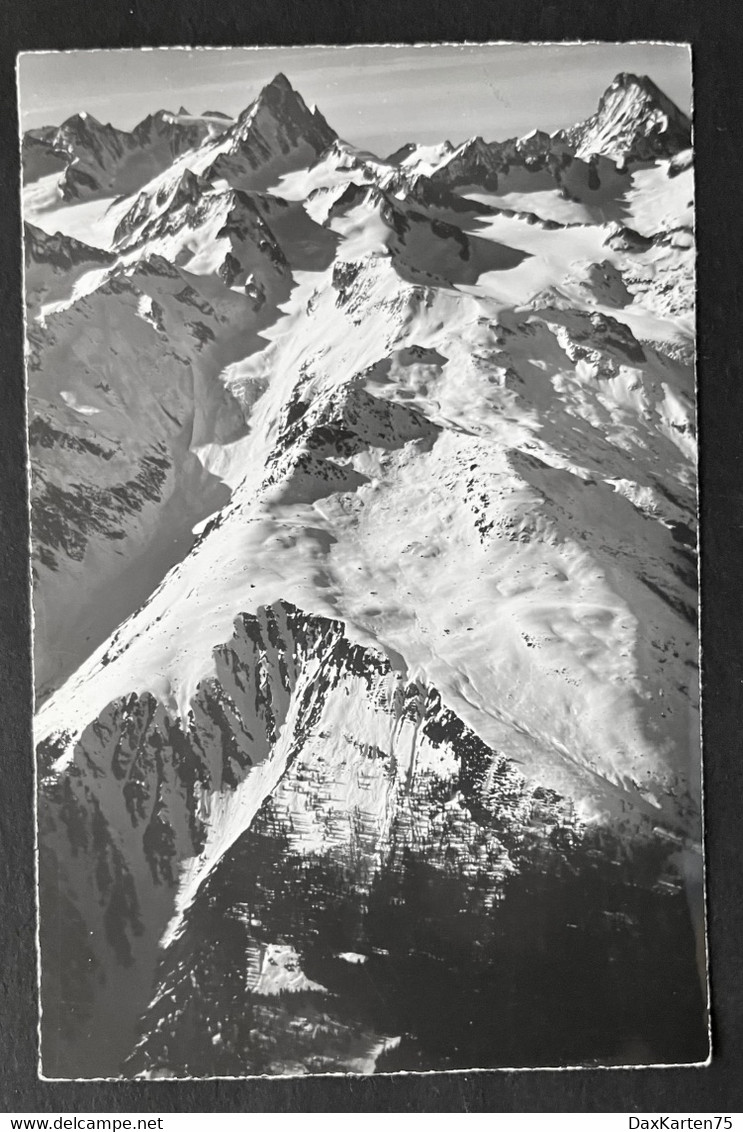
[635, 121]
[277, 130]
[100, 160]
[99, 491]
[364, 531]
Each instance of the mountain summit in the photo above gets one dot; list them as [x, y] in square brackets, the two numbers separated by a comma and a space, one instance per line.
[99, 160]
[277, 131]
[635, 121]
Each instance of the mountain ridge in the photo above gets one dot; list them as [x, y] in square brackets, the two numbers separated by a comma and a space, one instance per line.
[627, 125]
[635, 120]
[364, 527]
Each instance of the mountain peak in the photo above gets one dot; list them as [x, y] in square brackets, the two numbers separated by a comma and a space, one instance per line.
[364, 530]
[279, 92]
[640, 87]
[476, 142]
[279, 119]
[81, 120]
[634, 121]
[280, 82]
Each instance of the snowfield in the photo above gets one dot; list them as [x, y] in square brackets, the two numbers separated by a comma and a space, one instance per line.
[364, 517]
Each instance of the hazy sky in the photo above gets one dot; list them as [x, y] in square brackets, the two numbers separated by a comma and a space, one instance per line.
[377, 97]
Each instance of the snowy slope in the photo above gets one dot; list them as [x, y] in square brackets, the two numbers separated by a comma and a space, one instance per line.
[100, 160]
[364, 499]
[635, 121]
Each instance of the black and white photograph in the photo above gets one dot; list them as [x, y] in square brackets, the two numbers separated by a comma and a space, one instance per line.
[361, 405]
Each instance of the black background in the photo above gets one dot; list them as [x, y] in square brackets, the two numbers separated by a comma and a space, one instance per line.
[714, 30]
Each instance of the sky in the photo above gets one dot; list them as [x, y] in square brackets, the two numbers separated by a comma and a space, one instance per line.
[377, 97]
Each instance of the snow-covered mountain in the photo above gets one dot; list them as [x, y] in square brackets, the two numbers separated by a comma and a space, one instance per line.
[364, 503]
[101, 160]
[635, 121]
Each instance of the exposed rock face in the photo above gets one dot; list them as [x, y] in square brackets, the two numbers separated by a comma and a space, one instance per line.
[55, 265]
[98, 160]
[290, 812]
[39, 158]
[635, 121]
[110, 437]
[60, 252]
[363, 500]
[278, 126]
